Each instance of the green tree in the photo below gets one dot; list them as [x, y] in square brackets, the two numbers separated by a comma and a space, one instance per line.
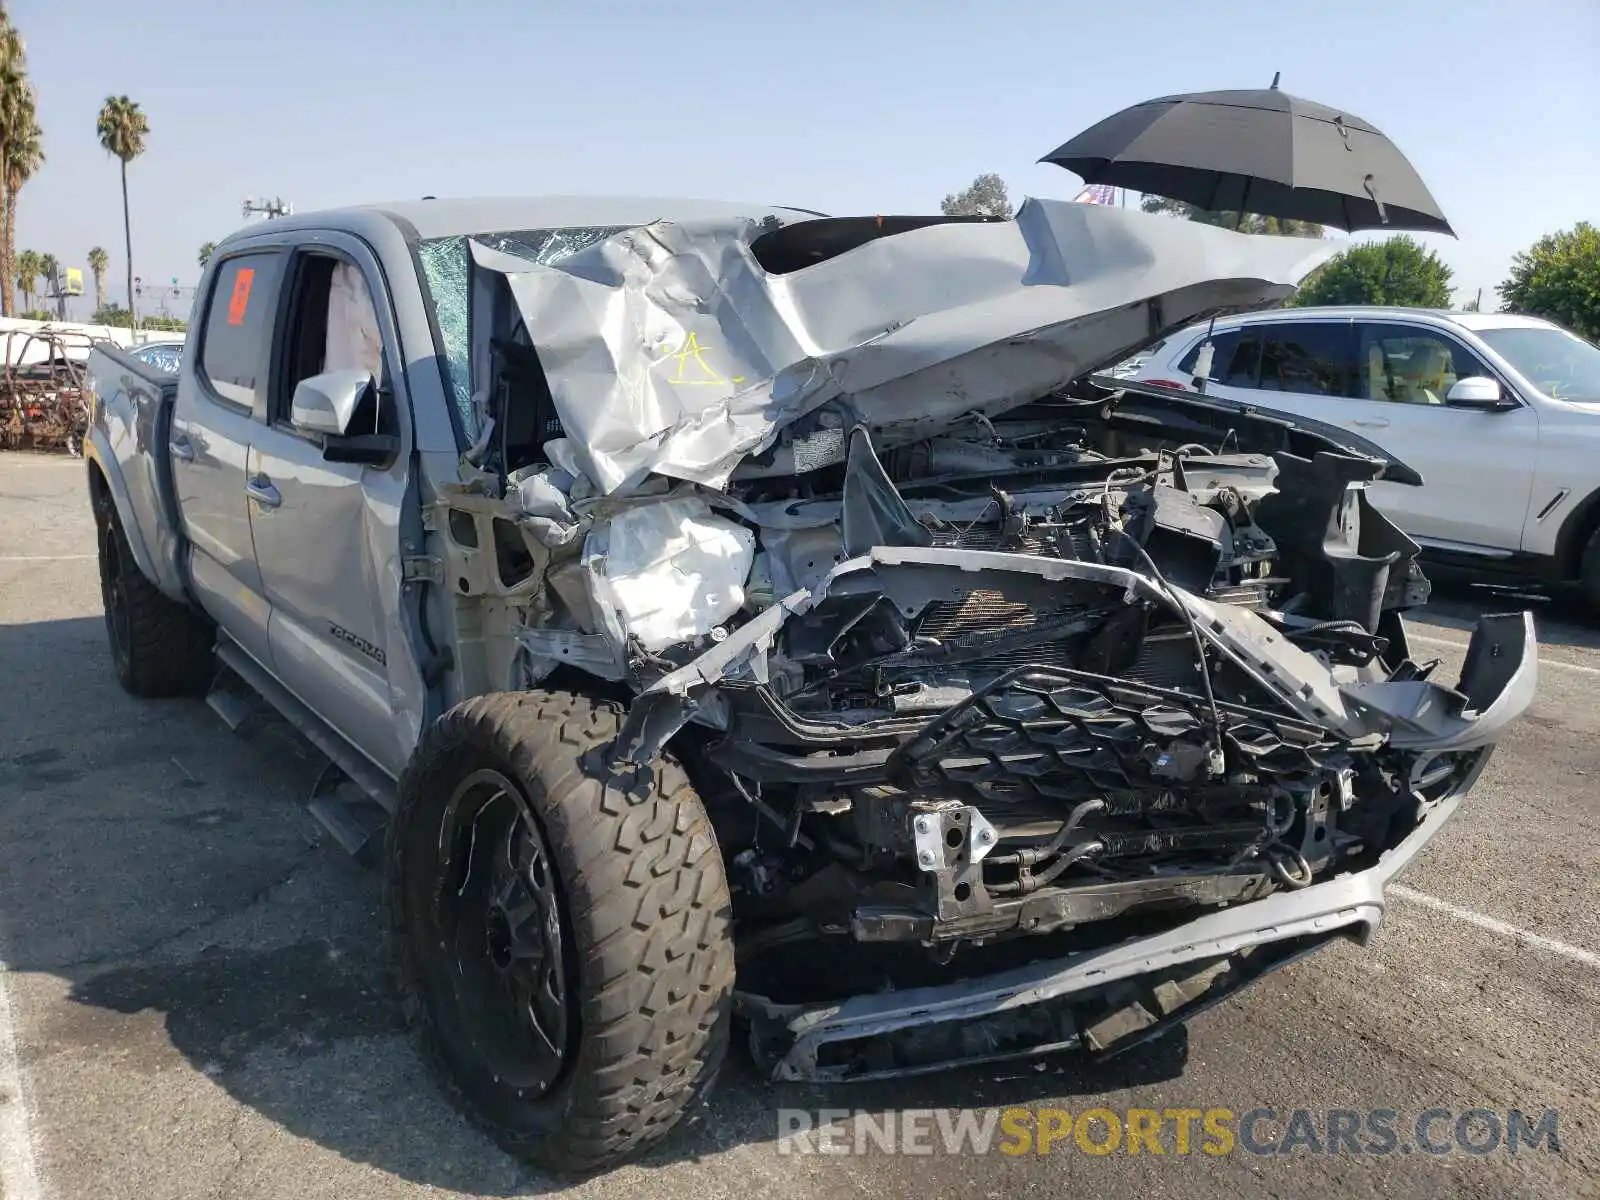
[20, 159]
[1398, 271]
[27, 275]
[986, 197]
[50, 269]
[115, 314]
[1558, 278]
[207, 249]
[99, 263]
[1251, 222]
[20, 153]
[122, 129]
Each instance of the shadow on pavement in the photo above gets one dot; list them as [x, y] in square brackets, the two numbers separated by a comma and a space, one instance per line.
[1458, 601]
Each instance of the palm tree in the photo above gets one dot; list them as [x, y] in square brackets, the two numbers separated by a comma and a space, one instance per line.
[207, 249]
[99, 263]
[16, 122]
[27, 276]
[50, 268]
[21, 156]
[122, 128]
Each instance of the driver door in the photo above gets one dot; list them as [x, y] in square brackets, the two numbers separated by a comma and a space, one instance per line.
[326, 533]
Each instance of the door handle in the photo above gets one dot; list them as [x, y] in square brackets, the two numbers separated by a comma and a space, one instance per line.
[260, 490]
[181, 447]
[1379, 423]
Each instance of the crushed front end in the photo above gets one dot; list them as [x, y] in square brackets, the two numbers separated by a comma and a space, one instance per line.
[1028, 715]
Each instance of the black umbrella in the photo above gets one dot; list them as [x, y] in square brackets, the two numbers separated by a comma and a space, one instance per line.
[1261, 151]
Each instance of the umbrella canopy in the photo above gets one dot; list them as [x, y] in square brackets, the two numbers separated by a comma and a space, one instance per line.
[1261, 151]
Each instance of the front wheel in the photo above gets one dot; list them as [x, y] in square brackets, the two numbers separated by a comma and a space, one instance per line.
[1590, 573]
[561, 937]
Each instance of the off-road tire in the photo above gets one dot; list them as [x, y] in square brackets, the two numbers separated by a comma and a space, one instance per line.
[646, 928]
[159, 647]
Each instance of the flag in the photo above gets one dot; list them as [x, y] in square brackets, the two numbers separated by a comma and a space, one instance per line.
[1096, 193]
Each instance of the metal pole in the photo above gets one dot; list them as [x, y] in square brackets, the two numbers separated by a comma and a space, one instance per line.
[275, 207]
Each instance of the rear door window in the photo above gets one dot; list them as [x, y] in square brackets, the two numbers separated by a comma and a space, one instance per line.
[1308, 358]
[234, 346]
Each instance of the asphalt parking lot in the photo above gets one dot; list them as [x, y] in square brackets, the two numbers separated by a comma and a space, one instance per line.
[193, 1005]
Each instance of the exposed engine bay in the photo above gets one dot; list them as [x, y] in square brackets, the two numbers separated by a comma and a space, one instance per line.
[1038, 676]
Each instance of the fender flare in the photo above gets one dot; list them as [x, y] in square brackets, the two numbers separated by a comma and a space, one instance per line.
[107, 484]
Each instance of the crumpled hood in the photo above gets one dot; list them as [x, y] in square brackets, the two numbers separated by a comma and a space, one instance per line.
[670, 350]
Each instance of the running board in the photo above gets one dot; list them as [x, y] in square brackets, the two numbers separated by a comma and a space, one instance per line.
[352, 819]
[313, 728]
[234, 707]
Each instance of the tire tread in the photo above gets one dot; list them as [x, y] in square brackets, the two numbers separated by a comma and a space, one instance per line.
[647, 901]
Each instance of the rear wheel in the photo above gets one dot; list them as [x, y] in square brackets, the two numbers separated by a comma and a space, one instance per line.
[158, 646]
[561, 938]
[1590, 573]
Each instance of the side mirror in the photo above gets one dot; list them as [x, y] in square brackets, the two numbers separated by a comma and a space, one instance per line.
[1475, 391]
[326, 403]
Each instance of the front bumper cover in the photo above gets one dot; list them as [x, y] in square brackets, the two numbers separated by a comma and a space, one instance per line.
[1113, 997]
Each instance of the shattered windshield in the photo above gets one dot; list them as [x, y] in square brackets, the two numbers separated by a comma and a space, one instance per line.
[446, 279]
[1560, 364]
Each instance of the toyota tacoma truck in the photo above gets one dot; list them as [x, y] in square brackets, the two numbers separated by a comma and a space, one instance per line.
[753, 623]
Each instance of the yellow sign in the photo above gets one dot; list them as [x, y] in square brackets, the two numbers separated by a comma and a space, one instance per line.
[74, 282]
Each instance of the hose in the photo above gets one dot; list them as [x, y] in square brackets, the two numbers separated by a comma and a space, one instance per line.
[1031, 883]
[1027, 857]
[1077, 854]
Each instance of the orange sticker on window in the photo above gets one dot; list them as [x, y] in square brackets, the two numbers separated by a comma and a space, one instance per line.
[239, 302]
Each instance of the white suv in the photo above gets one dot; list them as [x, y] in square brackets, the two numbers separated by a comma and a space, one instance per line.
[1499, 413]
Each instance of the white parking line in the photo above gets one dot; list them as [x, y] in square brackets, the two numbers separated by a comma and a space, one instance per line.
[1576, 953]
[1543, 660]
[19, 1178]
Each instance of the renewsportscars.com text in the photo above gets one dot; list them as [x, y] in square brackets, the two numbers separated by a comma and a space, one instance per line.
[1100, 1131]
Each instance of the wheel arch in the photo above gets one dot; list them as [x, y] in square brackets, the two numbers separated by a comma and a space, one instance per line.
[1574, 534]
[108, 496]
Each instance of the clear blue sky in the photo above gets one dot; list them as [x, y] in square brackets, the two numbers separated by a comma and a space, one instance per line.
[844, 107]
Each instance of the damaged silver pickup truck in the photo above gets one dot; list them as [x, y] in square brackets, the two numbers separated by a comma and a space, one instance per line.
[751, 620]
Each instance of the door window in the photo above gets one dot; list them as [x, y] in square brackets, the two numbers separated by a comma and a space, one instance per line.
[1405, 365]
[238, 325]
[1222, 348]
[1235, 358]
[332, 325]
[1307, 358]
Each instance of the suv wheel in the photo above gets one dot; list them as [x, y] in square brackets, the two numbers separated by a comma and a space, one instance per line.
[1590, 572]
[560, 936]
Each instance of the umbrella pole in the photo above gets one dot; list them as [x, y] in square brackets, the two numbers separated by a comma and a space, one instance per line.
[1244, 196]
